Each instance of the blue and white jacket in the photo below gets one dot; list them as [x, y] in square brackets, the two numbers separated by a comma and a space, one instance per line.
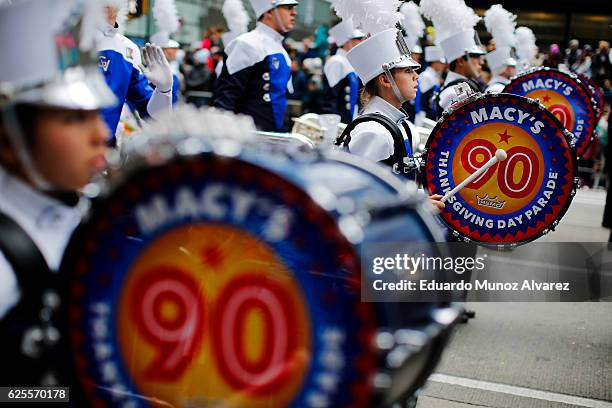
[255, 78]
[341, 87]
[119, 61]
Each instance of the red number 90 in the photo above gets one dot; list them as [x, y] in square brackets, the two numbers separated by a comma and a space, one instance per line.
[478, 151]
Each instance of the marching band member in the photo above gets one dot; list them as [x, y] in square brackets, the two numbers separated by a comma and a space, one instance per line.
[454, 23]
[501, 24]
[381, 134]
[52, 141]
[430, 81]
[121, 64]
[256, 72]
[526, 48]
[341, 83]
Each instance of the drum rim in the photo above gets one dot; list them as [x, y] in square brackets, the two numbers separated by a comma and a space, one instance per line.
[141, 168]
[594, 105]
[566, 134]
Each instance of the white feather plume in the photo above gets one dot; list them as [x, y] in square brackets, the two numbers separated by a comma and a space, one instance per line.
[166, 16]
[236, 16]
[526, 48]
[501, 24]
[449, 16]
[371, 16]
[413, 22]
[94, 17]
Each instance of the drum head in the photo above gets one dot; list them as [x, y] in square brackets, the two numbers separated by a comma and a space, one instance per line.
[596, 93]
[566, 96]
[211, 280]
[516, 200]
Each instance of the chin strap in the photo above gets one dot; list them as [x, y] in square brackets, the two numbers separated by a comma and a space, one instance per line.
[279, 21]
[394, 87]
[16, 137]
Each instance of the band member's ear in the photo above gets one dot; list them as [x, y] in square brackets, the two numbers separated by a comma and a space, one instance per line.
[383, 81]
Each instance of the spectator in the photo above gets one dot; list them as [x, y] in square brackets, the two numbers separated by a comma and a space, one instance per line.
[583, 64]
[601, 67]
[299, 80]
[572, 54]
[553, 59]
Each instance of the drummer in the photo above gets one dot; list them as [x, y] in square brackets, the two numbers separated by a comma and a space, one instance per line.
[52, 141]
[502, 25]
[381, 134]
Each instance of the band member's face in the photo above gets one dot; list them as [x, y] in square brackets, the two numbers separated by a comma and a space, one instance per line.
[287, 15]
[111, 14]
[476, 61]
[407, 82]
[69, 146]
[509, 72]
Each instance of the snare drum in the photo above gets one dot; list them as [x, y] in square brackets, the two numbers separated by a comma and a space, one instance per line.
[516, 200]
[211, 279]
[566, 96]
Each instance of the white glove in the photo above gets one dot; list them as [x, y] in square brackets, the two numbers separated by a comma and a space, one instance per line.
[156, 68]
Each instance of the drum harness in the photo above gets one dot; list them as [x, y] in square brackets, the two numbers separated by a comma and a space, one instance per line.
[33, 338]
[402, 160]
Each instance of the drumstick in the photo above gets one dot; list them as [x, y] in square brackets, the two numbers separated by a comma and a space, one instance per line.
[500, 155]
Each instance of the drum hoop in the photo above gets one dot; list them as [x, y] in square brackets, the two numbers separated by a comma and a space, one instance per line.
[566, 134]
[594, 105]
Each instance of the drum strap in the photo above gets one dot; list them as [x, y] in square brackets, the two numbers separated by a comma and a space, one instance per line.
[400, 150]
[21, 252]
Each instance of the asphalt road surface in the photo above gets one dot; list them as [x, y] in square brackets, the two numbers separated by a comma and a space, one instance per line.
[533, 355]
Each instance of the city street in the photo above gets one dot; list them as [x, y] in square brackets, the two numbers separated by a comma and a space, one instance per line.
[515, 355]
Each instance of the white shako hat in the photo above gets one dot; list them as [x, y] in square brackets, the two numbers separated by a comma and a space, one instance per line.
[434, 53]
[261, 6]
[51, 64]
[502, 25]
[344, 31]
[413, 26]
[499, 59]
[385, 49]
[237, 20]
[454, 23]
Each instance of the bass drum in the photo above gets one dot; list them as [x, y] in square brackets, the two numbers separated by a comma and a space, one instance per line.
[516, 200]
[596, 93]
[215, 279]
[566, 96]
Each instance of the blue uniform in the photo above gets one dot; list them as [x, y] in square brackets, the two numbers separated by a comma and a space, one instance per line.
[341, 87]
[255, 78]
[119, 61]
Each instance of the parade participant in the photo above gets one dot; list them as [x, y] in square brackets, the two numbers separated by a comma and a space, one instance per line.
[171, 48]
[340, 81]
[52, 141]
[256, 73]
[454, 23]
[384, 64]
[502, 25]
[430, 81]
[122, 65]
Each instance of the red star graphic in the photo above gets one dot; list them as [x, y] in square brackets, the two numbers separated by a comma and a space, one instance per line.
[504, 137]
[546, 98]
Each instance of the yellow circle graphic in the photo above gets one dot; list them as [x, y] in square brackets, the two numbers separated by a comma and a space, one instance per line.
[209, 315]
[508, 186]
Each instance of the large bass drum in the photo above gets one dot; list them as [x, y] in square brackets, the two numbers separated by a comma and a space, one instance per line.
[211, 275]
[566, 96]
[516, 200]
